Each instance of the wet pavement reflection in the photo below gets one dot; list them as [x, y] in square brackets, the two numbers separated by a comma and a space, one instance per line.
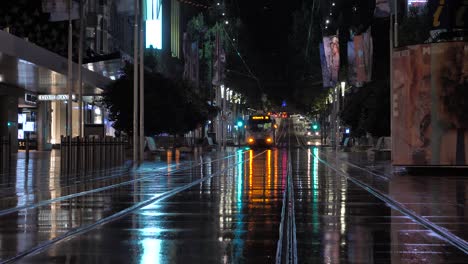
[232, 218]
[225, 207]
[339, 222]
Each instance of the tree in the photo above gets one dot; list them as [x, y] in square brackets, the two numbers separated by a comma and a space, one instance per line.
[171, 105]
[365, 111]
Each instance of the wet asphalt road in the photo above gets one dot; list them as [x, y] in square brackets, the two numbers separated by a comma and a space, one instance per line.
[232, 215]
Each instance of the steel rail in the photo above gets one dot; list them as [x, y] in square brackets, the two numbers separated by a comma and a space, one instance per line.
[81, 230]
[79, 194]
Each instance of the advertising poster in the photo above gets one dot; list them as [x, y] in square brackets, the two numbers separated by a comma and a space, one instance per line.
[430, 113]
[325, 70]
[332, 55]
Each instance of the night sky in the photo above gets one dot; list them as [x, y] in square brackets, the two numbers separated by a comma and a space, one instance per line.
[268, 24]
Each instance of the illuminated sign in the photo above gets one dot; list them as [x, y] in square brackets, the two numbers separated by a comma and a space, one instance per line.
[153, 17]
[410, 2]
[54, 97]
[30, 98]
[260, 117]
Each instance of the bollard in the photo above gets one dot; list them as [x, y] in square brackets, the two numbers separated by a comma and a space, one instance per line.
[63, 157]
[27, 147]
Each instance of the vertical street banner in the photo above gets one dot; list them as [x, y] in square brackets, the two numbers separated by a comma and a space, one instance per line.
[429, 110]
[368, 47]
[359, 64]
[351, 63]
[363, 50]
[382, 8]
[191, 62]
[194, 64]
[332, 55]
[325, 71]
[219, 61]
[186, 53]
[60, 10]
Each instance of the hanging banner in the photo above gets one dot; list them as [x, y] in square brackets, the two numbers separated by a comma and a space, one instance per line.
[332, 55]
[359, 56]
[325, 71]
[191, 62]
[363, 49]
[429, 95]
[382, 8]
[59, 9]
[368, 47]
[186, 53]
[351, 64]
[219, 61]
[194, 64]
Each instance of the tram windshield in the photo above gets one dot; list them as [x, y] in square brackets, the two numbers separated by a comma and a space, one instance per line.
[259, 124]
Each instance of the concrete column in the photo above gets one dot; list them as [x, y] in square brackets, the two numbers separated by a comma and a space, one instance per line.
[9, 119]
[44, 124]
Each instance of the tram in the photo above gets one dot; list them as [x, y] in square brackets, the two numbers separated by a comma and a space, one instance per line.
[260, 131]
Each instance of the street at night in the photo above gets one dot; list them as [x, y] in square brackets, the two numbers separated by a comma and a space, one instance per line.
[226, 207]
[233, 131]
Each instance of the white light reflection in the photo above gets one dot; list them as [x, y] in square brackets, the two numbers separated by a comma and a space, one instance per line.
[250, 171]
[308, 169]
[151, 251]
[268, 168]
[240, 159]
[149, 234]
[315, 188]
[344, 188]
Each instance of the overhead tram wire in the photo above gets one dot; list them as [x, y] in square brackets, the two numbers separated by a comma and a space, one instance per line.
[243, 61]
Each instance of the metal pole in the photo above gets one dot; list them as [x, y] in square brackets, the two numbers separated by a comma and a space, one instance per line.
[391, 80]
[135, 84]
[395, 34]
[337, 131]
[80, 64]
[142, 86]
[70, 70]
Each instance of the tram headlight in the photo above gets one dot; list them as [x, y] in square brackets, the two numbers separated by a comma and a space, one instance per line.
[251, 140]
[269, 140]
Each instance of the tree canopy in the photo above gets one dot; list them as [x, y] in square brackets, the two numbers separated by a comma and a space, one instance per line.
[171, 105]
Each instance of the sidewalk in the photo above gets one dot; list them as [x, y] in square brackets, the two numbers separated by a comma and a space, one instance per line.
[442, 200]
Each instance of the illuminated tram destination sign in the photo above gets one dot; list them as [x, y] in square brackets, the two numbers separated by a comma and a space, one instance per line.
[260, 117]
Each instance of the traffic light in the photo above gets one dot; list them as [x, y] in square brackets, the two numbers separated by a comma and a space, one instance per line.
[315, 126]
[240, 123]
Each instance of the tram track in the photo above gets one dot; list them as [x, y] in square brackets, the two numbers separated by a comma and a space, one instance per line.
[446, 235]
[151, 173]
[138, 205]
[286, 251]
[449, 237]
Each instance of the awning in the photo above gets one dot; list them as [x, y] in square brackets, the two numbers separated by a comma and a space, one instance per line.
[35, 69]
